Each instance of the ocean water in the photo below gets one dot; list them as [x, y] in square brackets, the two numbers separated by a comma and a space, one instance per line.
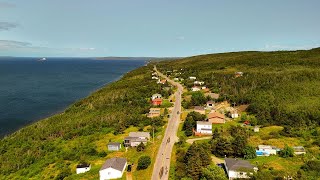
[31, 90]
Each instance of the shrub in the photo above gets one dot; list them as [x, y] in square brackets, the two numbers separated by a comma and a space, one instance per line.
[144, 162]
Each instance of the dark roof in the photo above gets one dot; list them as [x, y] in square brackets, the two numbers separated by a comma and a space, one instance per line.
[115, 163]
[83, 165]
[135, 139]
[114, 144]
[236, 164]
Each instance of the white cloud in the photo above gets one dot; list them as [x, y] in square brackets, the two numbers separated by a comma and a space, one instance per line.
[8, 44]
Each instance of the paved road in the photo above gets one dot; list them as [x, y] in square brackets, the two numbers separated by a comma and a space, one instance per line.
[162, 162]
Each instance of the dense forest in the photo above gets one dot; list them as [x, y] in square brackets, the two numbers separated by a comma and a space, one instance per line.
[54, 143]
[281, 88]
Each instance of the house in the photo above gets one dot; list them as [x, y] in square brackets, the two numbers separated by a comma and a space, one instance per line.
[114, 146]
[234, 114]
[203, 87]
[210, 104]
[237, 168]
[195, 88]
[256, 129]
[199, 109]
[176, 79]
[192, 78]
[163, 81]
[299, 150]
[238, 74]
[154, 77]
[113, 168]
[216, 118]
[156, 102]
[82, 168]
[141, 135]
[135, 138]
[212, 95]
[266, 150]
[204, 128]
[154, 112]
[156, 96]
[198, 83]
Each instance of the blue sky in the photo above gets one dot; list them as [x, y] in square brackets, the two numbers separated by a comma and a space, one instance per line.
[155, 28]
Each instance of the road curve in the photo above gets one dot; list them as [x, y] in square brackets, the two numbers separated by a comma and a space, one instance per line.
[162, 162]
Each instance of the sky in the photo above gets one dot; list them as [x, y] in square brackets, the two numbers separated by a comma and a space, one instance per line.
[155, 28]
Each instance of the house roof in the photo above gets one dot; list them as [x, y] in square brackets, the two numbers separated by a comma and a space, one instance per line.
[215, 115]
[298, 149]
[114, 144]
[203, 123]
[236, 164]
[210, 102]
[156, 95]
[83, 165]
[135, 139]
[155, 109]
[265, 147]
[199, 108]
[115, 163]
[140, 134]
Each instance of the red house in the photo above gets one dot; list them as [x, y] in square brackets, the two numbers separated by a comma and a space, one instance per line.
[157, 102]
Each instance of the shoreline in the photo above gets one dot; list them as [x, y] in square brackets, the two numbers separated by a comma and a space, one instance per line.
[63, 109]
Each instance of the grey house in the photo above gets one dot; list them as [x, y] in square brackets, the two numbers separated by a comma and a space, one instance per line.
[114, 146]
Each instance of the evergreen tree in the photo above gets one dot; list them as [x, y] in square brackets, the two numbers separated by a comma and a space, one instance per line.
[249, 152]
[141, 147]
[287, 152]
[213, 172]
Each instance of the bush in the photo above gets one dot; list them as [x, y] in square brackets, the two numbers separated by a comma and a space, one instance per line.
[286, 152]
[141, 147]
[144, 162]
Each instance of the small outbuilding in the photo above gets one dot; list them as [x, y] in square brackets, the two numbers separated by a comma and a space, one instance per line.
[195, 88]
[114, 146]
[298, 150]
[204, 128]
[82, 168]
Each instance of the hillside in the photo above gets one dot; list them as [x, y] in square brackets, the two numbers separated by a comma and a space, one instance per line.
[281, 88]
[51, 148]
[277, 92]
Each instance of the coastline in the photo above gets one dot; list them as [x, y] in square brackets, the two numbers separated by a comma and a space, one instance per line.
[62, 109]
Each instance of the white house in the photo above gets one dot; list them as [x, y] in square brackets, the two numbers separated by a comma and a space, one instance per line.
[156, 96]
[154, 77]
[299, 150]
[114, 146]
[198, 82]
[256, 129]
[204, 127]
[237, 168]
[176, 79]
[113, 168]
[192, 78]
[266, 150]
[210, 104]
[234, 114]
[195, 88]
[82, 168]
[135, 138]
